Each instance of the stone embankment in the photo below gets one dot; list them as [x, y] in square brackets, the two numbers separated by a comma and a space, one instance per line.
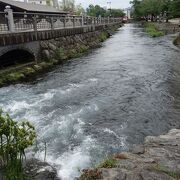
[168, 28]
[157, 159]
[177, 41]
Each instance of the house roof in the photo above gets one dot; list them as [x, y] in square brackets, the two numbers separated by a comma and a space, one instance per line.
[31, 7]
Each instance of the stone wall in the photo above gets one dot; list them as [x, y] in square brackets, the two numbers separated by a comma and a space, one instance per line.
[157, 159]
[168, 28]
[71, 46]
[56, 50]
[177, 41]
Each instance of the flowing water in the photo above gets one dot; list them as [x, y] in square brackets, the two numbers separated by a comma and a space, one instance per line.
[101, 103]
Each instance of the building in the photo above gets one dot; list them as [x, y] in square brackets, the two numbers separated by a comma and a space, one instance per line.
[43, 2]
[18, 6]
[127, 11]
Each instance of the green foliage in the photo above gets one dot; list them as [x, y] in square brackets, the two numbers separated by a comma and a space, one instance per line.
[103, 36]
[97, 11]
[49, 2]
[152, 31]
[108, 163]
[59, 54]
[28, 70]
[68, 5]
[115, 13]
[165, 170]
[79, 10]
[155, 8]
[14, 139]
[14, 76]
[175, 8]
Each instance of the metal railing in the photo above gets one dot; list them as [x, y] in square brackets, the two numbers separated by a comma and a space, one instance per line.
[20, 22]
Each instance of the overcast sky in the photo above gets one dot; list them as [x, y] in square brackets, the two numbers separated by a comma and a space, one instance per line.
[114, 3]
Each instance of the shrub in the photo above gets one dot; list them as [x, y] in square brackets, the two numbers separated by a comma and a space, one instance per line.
[14, 76]
[14, 139]
[108, 163]
[152, 31]
[103, 36]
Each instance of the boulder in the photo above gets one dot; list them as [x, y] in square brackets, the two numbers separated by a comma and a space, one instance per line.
[39, 170]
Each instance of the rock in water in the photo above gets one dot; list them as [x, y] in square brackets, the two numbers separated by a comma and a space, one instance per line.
[157, 159]
[39, 170]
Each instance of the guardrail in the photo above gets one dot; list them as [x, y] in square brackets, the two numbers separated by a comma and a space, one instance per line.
[19, 22]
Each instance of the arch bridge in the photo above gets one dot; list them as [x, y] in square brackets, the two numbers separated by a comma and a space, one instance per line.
[21, 33]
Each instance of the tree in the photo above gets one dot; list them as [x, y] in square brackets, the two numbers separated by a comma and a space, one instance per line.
[155, 8]
[95, 11]
[115, 13]
[49, 2]
[79, 10]
[175, 8]
[99, 11]
[68, 5]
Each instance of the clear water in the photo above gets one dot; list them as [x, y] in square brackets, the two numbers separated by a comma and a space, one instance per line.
[101, 103]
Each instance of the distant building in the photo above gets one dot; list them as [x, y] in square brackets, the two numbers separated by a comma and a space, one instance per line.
[43, 2]
[127, 11]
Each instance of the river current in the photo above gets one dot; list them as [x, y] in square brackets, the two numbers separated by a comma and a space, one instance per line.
[103, 102]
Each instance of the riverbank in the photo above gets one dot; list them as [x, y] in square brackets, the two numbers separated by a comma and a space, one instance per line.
[158, 158]
[56, 52]
[167, 28]
[159, 29]
[151, 29]
[177, 41]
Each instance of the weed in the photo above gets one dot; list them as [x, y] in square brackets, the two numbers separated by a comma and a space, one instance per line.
[103, 36]
[108, 163]
[152, 31]
[165, 170]
[14, 139]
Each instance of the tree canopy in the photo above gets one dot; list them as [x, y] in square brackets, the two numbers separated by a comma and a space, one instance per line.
[99, 11]
[156, 8]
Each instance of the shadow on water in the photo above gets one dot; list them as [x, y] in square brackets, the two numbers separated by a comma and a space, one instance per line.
[104, 102]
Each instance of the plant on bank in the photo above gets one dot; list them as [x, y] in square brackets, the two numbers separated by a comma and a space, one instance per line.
[152, 31]
[14, 139]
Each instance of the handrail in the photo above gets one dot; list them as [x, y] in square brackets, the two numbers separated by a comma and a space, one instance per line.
[24, 21]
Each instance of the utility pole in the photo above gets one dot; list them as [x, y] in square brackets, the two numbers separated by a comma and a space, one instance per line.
[109, 3]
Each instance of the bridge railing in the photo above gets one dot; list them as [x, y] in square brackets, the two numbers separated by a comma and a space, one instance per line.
[3, 22]
[19, 22]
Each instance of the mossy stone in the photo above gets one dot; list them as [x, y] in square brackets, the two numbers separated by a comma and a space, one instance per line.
[14, 76]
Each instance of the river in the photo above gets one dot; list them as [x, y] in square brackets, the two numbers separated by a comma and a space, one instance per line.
[103, 102]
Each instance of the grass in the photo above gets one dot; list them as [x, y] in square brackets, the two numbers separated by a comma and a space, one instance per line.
[103, 36]
[165, 170]
[152, 31]
[92, 174]
[108, 163]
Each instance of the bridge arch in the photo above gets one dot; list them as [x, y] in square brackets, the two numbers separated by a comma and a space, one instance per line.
[16, 56]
